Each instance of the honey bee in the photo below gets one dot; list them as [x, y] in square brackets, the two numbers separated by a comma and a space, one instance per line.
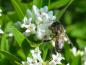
[59, 35]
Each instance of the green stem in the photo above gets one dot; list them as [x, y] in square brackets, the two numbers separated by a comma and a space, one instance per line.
[63, 11]
[48, 2]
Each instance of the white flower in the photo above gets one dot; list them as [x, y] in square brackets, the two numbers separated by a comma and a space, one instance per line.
[37, 54]
[84, 57]
[0, 12]
[56, 59]
[85, 63]
[76, 52]
[10, 34]
[35, 10]
[1, 31]
[36, 58]
[44, 9]
[68, 64]
[26, 22]
[30, 61]
[29, 13]
[30, 27]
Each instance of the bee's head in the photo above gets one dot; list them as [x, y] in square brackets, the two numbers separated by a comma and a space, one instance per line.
[56, 28]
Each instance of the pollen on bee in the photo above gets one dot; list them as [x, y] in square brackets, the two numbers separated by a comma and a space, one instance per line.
[53, 43]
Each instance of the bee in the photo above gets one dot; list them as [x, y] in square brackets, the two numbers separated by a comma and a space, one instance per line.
[59, 35]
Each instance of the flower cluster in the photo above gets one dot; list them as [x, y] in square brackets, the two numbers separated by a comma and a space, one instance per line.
[38, 21]
[56, 59]
[37, 60]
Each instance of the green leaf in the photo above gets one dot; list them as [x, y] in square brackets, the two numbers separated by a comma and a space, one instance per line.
[77, 30]
[81, 43]
[19, 37]
[68, 18]
[4, 43]
[76, 61]
[67, 53]
[38, 3]
[18, 9]
[58, 4]
[9, 55]
[45, 47]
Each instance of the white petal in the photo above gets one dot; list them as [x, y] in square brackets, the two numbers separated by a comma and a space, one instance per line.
[1, 31]
[54, 18]
[0, 14]
[27, 31]
[50, 14]
[52, 63]
[0, 10]
[35, 9]
[68, 64]
[29, 13]
[29, 60]
[39, 18]
[29, 20]
[40, 34]
[45, 9]
[23, 25]
[25, 19]
[10, 34]
[74, 51]
[85, 63]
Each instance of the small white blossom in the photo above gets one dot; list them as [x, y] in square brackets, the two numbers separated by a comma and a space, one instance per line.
[36, 58]
[56, 59]
[0, 12]
[68, 64]
[85, 63]
[37, 54]
[26, 22]
[1, 31]
[76, 52]
[31, 61]
[84, 57]
[30, 27]
[10, 34]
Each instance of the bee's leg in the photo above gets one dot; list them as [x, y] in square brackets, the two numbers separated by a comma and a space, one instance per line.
[68, 40]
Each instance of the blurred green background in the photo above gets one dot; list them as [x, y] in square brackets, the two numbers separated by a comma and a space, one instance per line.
[71, 13]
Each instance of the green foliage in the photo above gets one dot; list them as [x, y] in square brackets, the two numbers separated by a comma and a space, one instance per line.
[9, 56]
